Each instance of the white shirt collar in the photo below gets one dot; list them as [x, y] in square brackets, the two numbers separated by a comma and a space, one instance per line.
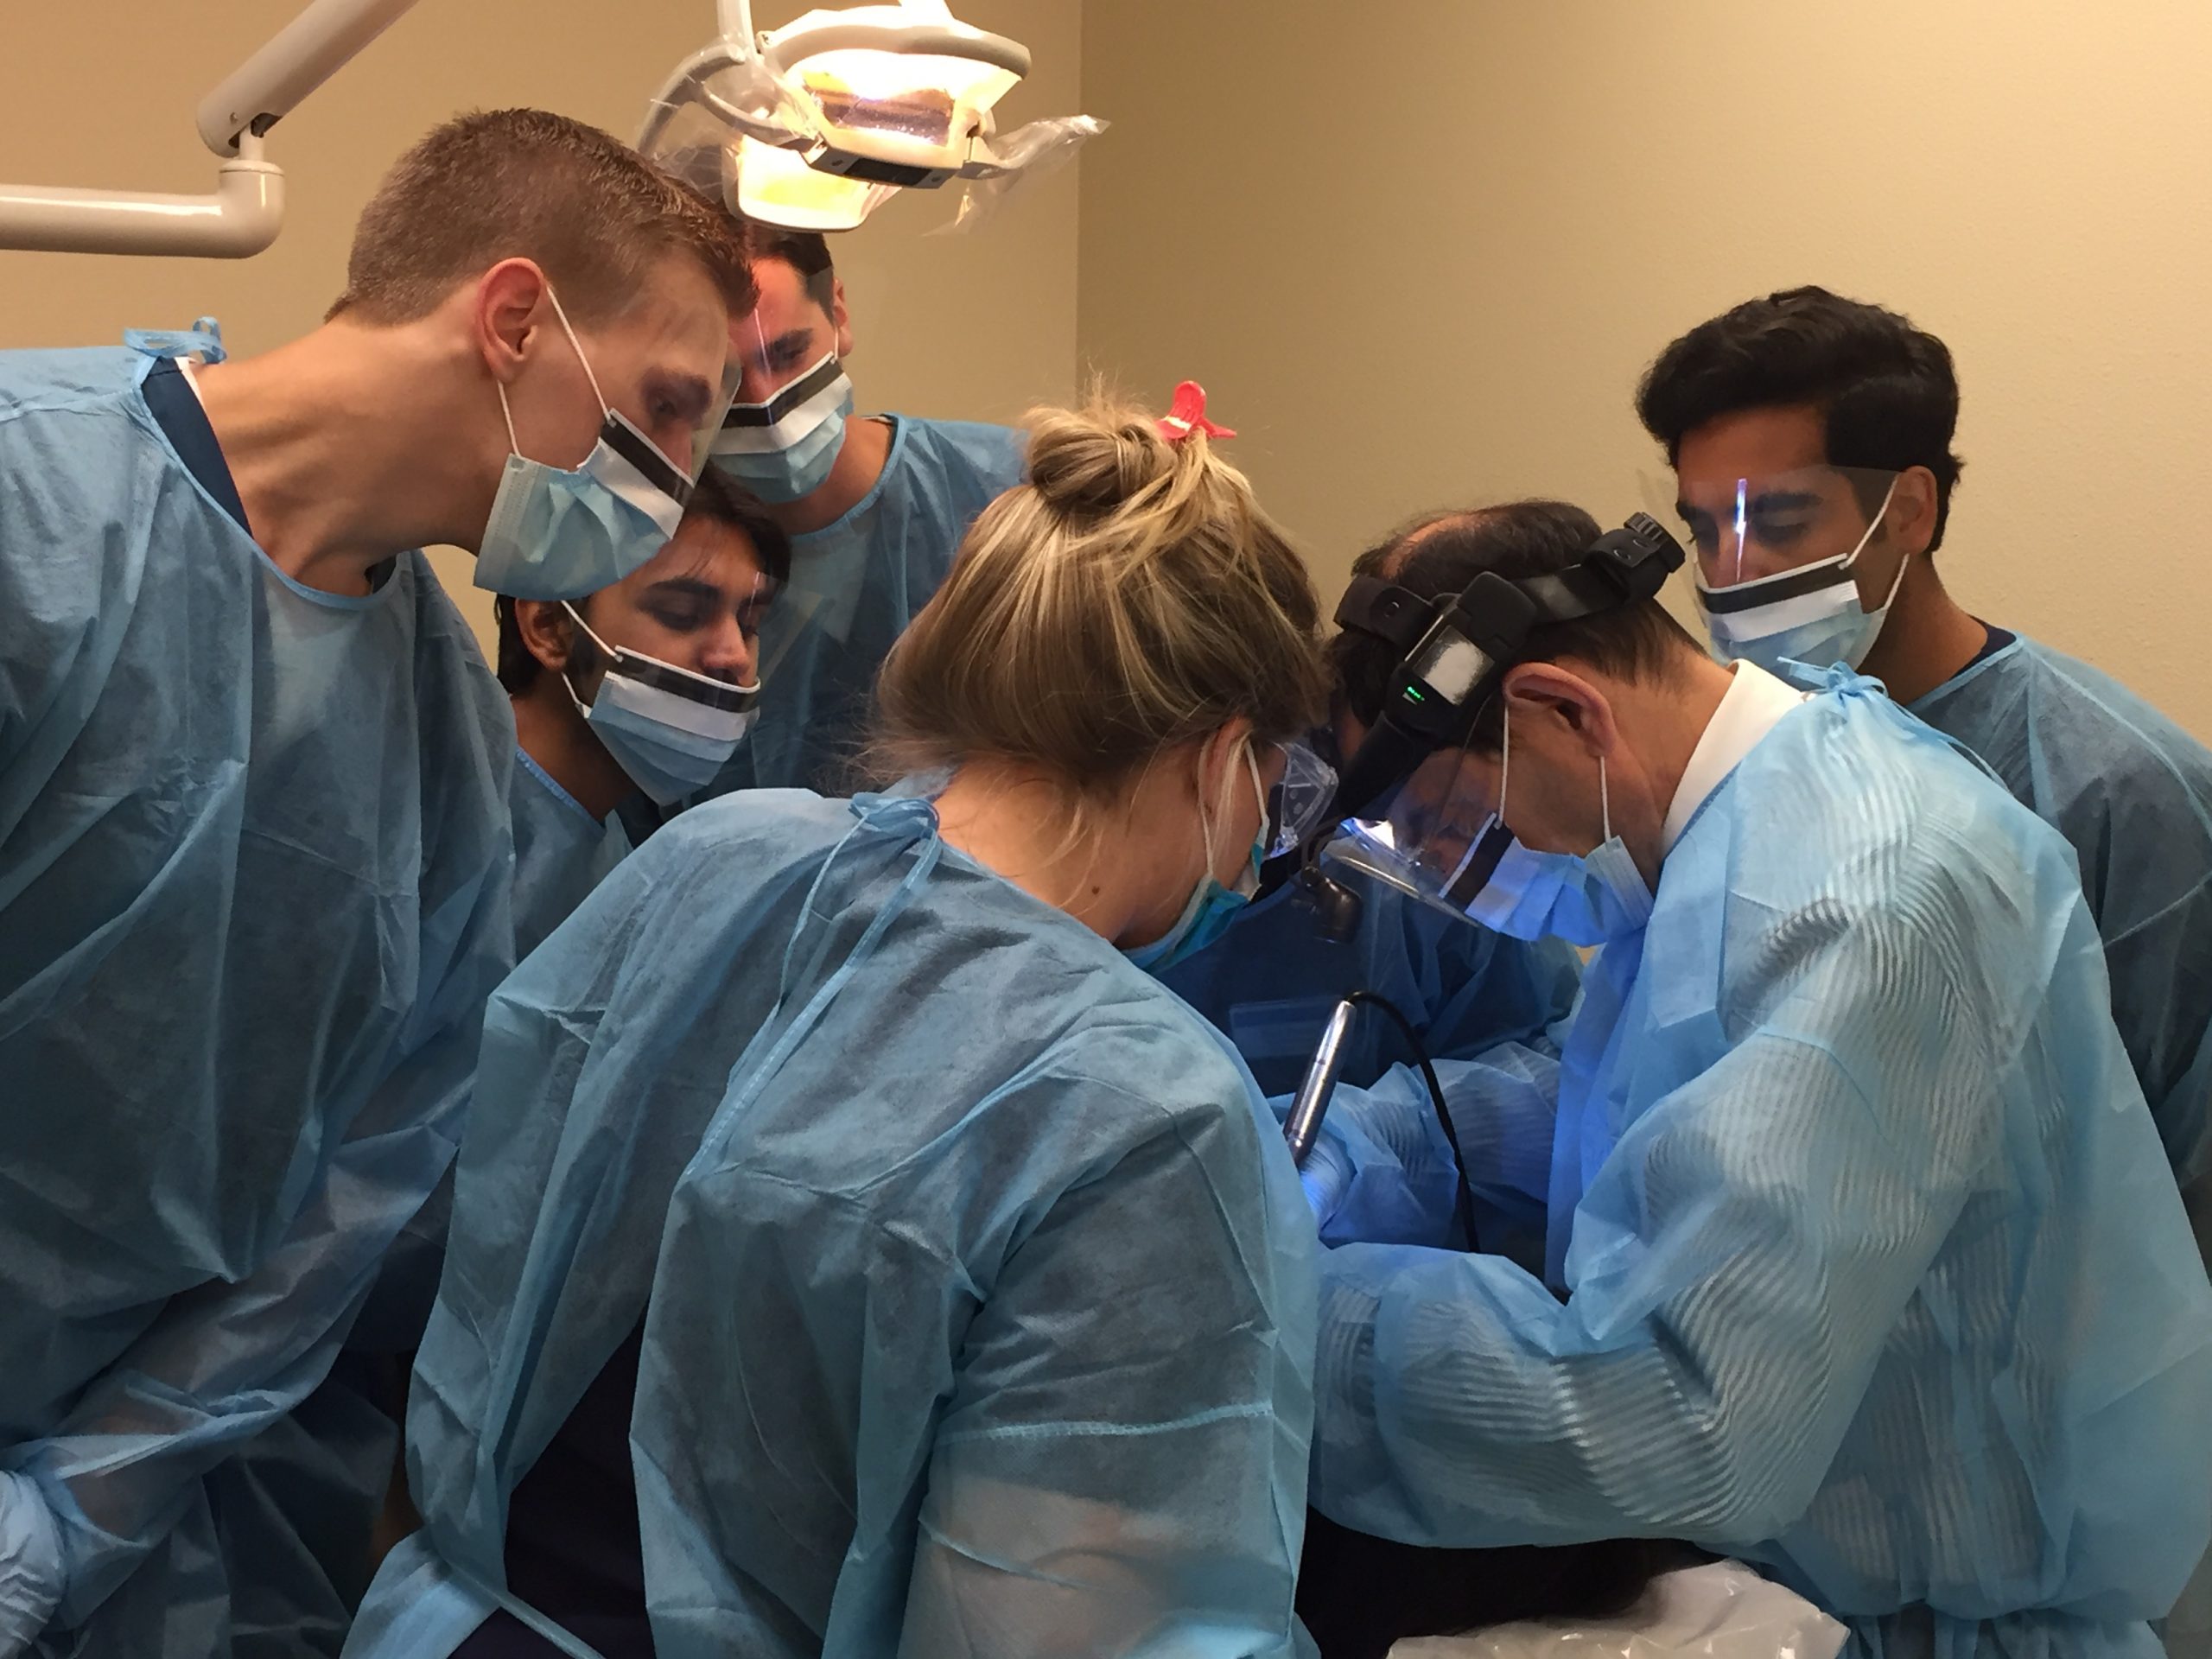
[1755, 704]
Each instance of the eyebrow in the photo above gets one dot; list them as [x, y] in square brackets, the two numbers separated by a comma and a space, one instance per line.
[687, 587]
[1783, 501]
[1772, 501]
[692, 397]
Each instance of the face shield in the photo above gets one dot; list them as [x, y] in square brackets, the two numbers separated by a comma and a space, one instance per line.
[780, 436]
[1439, 837]
[814, 125]
[1298, 806]
[1777, 559]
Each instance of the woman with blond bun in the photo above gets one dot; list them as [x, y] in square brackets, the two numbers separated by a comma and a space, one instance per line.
[852, 1236]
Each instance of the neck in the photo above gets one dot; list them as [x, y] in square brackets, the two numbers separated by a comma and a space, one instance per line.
[858, 467]
[556, 736]
[326, 439]
[1658, 735]
[1015, 823]
[1926, 637]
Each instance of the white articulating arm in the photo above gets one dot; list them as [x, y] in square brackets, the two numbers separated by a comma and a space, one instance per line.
[246, 211]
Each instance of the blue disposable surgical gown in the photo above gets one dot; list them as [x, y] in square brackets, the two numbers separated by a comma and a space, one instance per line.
[254, 883]
[303, 1498]
[855, 586]
[1877, 1274]
[2132, 793]
[980, 1280]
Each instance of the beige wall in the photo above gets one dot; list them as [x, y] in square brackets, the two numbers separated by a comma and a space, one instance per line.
[102, 95]
[1420, 249]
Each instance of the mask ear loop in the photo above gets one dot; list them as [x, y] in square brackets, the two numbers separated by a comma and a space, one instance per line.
[575, 616]
[1605, 803]
[605, 408]
[1880, 512]
[514, 444]
[1897, 580]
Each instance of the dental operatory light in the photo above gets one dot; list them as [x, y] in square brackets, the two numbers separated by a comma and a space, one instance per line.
[814, 125]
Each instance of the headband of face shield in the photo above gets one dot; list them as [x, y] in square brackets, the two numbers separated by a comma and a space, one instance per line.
[670, 729]
[1777, 558]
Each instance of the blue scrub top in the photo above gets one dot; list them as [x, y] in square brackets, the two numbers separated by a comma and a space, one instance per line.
[855, 586]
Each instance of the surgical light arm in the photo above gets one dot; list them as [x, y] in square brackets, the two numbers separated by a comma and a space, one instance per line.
[247, 208]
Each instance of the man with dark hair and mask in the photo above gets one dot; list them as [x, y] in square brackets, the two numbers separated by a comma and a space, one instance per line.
[874, 507]
[1811, 437]
[630, 700]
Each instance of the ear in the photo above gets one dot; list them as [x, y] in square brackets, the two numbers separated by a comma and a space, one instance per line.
[1221, 760]
[1540, 695]
[507, 310]
[546, 633]
[841, 318]
[1912, 517]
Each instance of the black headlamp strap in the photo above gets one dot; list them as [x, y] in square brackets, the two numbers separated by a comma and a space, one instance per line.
[1621, 567]
[1390, 614]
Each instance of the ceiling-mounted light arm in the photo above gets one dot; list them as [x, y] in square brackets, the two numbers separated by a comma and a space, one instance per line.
[736, 16]
[247, 209]
[297, 59]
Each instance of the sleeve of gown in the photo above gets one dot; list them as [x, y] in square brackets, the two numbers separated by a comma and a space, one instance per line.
[1120, 1468]
[224, 1360]
[1736, 1263]
[1492, 989]
[1400, 1187]
[2161, 970]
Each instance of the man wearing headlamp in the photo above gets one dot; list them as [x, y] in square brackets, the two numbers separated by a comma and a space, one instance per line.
[1864, 1257]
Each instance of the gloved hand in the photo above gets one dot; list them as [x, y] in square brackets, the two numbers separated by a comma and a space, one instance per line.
[31, 1574]
[1372, 1177]
[1326, 1175]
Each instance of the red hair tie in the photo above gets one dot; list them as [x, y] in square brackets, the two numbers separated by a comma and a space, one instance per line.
[1187, 414]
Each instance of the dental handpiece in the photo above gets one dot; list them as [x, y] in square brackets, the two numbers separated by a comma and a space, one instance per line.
[1311, 1103]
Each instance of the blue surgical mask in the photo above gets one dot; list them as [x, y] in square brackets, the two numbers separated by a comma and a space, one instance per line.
[1211, 906]
[672, 731]
[1588, 900]
[557, 532]
[1810, 615]
[783, 450]
[1514, 890]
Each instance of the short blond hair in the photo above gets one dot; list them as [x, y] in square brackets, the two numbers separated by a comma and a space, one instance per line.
[499, 184]
[1129, 597]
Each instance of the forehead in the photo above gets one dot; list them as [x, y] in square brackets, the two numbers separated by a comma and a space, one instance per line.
[678, 317]
[704, 551]
[1752, 443]
[785, 302]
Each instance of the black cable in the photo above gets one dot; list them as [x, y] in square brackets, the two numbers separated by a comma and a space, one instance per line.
[1466, 1201]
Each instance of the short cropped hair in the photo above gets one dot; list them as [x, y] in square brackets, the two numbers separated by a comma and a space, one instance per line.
[499, 184]
[1887, 391]
[1443, 553]
[714, 501]
[806, 252]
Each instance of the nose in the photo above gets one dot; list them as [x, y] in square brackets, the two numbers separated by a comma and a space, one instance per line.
[726, 652]
[1725, 564]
